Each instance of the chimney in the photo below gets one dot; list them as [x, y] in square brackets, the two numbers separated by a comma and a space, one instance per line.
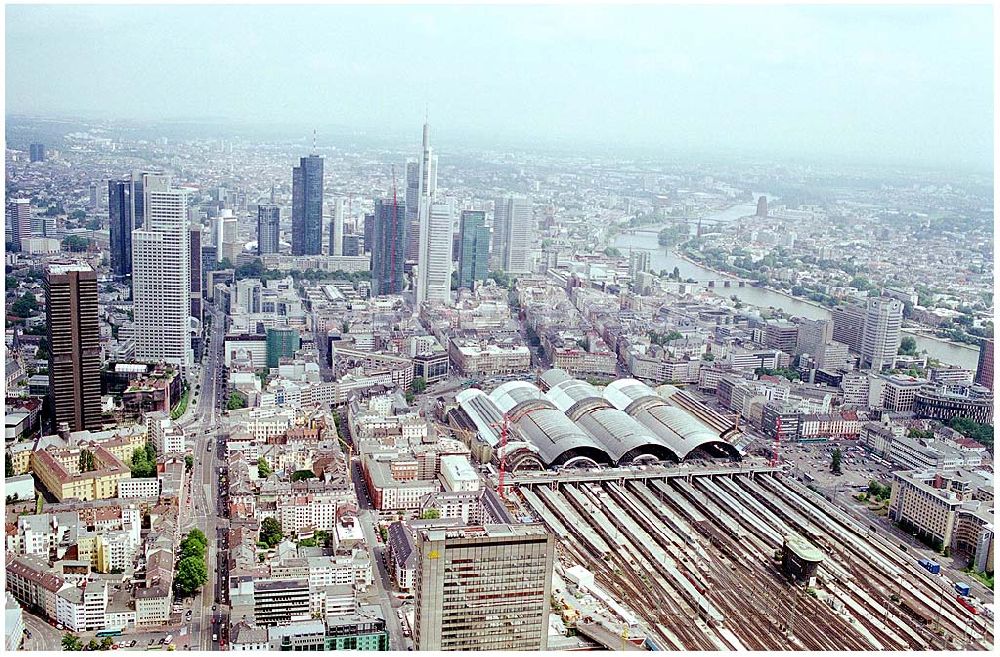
[63, 430]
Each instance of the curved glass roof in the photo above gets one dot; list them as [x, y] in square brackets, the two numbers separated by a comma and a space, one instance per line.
[508, 395]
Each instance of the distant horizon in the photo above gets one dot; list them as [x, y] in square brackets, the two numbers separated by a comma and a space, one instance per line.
[854, 83]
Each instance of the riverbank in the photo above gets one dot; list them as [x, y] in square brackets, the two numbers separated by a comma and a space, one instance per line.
[930, 336]
[808, 302]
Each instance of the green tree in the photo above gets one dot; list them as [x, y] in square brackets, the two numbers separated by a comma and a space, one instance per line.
[908, 346]
[191, 575]
[144, 462]
[236, 401]
[86, 463]
[430, 514]
[189, 463]
[676, 274]
[26, 306]
[106, 643]
[263, 469]
[71, 642]
[75, 243]
[708, 356]
[419, 384]
[299, 475]
[835, 461]
[409, 396]
[612, 252]
[193, 545]
[270, 532]
[8, 466]
[981, 433]
[92, 645]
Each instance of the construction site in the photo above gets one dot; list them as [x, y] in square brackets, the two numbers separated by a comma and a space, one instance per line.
[736, 557]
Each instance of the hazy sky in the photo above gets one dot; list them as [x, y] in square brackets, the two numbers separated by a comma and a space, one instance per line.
[866, 83]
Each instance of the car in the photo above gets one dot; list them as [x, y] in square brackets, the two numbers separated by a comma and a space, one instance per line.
[215, 637]
[213, 607]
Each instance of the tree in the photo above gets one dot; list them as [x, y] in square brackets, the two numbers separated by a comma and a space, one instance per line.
[270, 532]
[26, 306]
[676, 274]
[908, 346]
[191, 574]
[981, 433]
[299, 475]
[71, 642]
[8, 466]
[189, 463]
[144, 462]
[106, 643]
[92, 645]
[430, 514]
[236, 401]
[612, 252]
[263, 469]
[75, 243]
[194, 544]
[409, 396]
[419, 384]
[708, 356]
[835, 461]
[86, 463]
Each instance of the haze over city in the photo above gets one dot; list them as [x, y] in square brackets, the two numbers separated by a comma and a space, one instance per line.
[519, 328]
[895, 84]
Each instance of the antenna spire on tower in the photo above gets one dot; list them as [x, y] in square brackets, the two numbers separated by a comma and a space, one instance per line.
[314, 140]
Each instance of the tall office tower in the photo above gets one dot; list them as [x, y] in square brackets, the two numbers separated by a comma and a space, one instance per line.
[94, 202]
[36, 152]
[74, 345]
[195, 250]
[849, 325]
[42, 226]
[984, 371]
[882, 334]
[388, 247]
[19, 213]
[762, 206]
[638, 261]
[351, 245]
[425, 171]
[337, 228]
[268, 228]
[412, 209]
[512, 228]
[307, 206]
[483, 588]
[161, 275]
[812, 334]
[138, 199]
[120, 227]
[434, 264]
[473, 248]
[369, 236]
[225, 236]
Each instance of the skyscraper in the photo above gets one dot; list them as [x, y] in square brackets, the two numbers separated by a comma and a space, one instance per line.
[388, 247]
[225, 236]
[369, 231]
[473, 248]
[74, 345]
[434, 264]
[762, 206]
[19, 211]
[307, 206]
[120, 227]
[849, 325]
[268, 228]
[36, 152]
[195, 249]
[483, 588]
[351, 245]
[412, 209]
[337, 228]
[161, 275]
[882, 333]
[813, 333]
[984, 371]
[512, 229]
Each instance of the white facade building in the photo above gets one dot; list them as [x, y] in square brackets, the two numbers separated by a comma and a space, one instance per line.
[512, 233]
[161, 276]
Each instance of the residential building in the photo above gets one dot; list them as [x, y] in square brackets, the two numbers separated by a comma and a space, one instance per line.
[161, 273]
[71, 315]
[60, 471]
[307, 206]
[483, 588]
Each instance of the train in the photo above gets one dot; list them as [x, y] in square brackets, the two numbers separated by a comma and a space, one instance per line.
[968, 605]
[962, 589]
[932, 567]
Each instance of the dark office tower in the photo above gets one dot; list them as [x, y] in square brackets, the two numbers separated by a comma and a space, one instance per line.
[268, 231]
[389, 248]
[762, 206]
[351, 245]
[120, 225]
[369, 232]
[307, 206]
[36, 152]
[138, 206]
[473, 248]
[74, 345]
[196, 308]
[984, 372]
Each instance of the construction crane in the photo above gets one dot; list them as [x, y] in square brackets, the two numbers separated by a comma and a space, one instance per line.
[504, 426]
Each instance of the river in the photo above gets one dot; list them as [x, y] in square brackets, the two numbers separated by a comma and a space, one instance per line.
[663, 258]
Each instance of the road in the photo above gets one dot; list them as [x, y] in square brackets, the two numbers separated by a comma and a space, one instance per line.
[202, 510]
[43, 635]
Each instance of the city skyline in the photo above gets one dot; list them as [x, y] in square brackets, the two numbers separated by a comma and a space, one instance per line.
[745, 80]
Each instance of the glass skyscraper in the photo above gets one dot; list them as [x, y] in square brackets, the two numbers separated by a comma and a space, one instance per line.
[389, 248]
[473, 248]
[307, 206]
[268, 230]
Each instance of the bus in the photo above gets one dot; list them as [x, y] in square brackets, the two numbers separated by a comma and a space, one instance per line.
[104, 633]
